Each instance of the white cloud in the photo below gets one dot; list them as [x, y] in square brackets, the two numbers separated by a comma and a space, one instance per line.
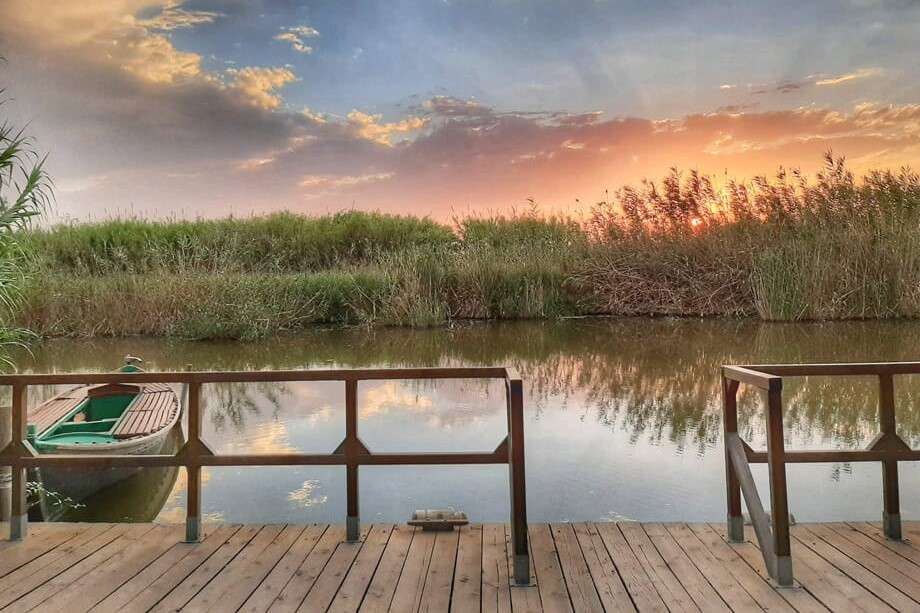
[851, 76]
[174, 18]
[296, 43]
[367, 126]
[332, 181]
[259, 84]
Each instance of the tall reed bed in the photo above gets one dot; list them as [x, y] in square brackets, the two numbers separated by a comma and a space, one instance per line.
[781, 248]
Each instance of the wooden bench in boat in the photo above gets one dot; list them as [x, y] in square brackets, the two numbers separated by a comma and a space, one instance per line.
[49, 413]
[153, 410]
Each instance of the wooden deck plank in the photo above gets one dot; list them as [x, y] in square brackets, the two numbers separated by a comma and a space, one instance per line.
[577, 567]
[14, 555]
[179, 595]
[550, 580]
[383, 584]
[31, 576]
[496, 590]
[905, 549]
[467, 581]
[408, 594]
[719, 577]
[880, 592]
[753, 583]
[669, 586]
[799, 597]
[440, 577]
[309, 570]
[270, 587]
[523, 597]
[241, 577]
[886, 564]
[330, 580]
[355, 585]
[683, 568]
[835, 590]
[170, 563]
[105, 578]
[127, 535]
[603, 570]
[639, 584]
[582, 590]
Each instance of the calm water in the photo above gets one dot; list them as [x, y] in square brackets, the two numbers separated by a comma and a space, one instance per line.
[622, 419]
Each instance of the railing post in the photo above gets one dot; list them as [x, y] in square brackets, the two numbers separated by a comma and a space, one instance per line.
[19, 504]
[735, 520]
[6, 476]
[520, 551]
[193, 464]
[891, 512]
[352, 514]
[779, 506]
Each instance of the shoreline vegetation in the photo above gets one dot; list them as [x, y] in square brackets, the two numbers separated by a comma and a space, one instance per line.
[783, 248]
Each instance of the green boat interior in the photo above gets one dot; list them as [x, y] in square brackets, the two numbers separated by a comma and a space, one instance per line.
[92, 421]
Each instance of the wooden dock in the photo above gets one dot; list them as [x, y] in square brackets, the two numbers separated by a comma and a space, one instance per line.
[577, 567]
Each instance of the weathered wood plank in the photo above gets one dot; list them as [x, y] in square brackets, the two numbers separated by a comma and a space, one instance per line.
[523, 597]
[232, 573]
[355, 585]
[327, 584]
[467, 580]
[550, 580]
[170, 563]
[408, 594]
[38, 596]
[440, 577]
[249, 571]
[719, 577]
[669, 586]
[609, 584]
[307, 573]
[689, 576]
[104, 578]
[270, 588]
[754, 584]
[580, 567]
[905, 549]
[884, 563]
[189, 586]
[879, 589]
[835, 590]
[383, 584]
[496, 591]
[799, 597]
[34, 574]
[14, 555]
[582, 591]
[639, 584]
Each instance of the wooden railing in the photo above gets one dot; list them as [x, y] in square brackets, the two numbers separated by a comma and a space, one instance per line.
[773, 530]
[351, 453]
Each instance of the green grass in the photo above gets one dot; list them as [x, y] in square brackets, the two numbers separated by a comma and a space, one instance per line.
[781, 248]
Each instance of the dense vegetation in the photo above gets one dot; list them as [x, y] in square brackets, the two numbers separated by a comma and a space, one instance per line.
[783, 248]
[25, 190]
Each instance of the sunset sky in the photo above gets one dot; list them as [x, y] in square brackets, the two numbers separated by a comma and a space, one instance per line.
[441, 107]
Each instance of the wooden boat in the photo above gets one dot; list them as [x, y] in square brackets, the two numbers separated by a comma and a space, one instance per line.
[108, 419]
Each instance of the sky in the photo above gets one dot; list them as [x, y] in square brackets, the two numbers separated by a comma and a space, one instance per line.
[166, 109]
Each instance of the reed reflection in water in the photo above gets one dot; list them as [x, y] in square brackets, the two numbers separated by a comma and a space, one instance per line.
[623, 416]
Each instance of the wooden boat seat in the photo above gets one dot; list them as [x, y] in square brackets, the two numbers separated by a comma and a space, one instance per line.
[149, 413]
[153, 410]
[48, 414]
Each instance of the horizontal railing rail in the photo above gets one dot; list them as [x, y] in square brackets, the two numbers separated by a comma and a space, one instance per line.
[772, 530]
[195, 454]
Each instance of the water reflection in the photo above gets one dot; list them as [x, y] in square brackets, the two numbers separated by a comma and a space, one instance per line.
[599, 394]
